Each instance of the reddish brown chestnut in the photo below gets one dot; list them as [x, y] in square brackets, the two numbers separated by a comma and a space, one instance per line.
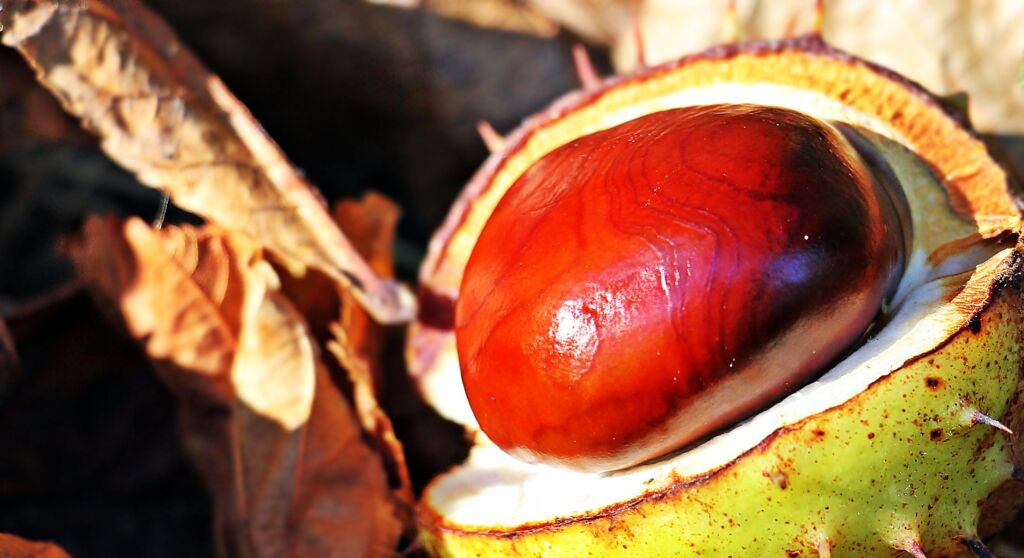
[647, 285]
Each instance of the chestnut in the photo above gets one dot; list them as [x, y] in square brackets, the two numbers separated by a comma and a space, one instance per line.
[645, 286]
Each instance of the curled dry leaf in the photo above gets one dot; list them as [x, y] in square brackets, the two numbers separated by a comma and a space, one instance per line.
[349, 332]
[161, 114]
[16, 547]
[358, 341]
[370, 223]
[272, 436]
[373, 419]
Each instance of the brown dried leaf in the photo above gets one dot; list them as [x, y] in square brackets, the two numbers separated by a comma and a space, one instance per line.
[358, 341]
[373, 419]
[161, 114]
[375, 95]
[274, 439]
[16, 547]
[370, 223]
[355, 339]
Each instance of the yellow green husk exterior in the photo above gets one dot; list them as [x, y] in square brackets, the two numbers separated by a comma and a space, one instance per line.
[897, 462]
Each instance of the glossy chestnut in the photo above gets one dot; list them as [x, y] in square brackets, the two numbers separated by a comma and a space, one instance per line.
[645, 286]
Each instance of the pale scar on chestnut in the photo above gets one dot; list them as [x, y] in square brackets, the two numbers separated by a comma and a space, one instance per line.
[642, 287]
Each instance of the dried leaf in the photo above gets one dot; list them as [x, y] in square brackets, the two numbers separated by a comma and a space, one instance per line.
[506, 15]
[598, 21]
[370, 223]
[355, 339]
[16, 547]
[360, 372]
[358, 341]
[161, 114]
[362, 94]
[272, 436]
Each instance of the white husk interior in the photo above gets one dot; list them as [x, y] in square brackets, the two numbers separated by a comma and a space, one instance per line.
[493, 490]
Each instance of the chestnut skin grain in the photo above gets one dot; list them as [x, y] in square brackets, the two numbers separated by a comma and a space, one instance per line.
[645, 286]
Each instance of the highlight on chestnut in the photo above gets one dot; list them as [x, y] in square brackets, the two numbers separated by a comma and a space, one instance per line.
[644, 286]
